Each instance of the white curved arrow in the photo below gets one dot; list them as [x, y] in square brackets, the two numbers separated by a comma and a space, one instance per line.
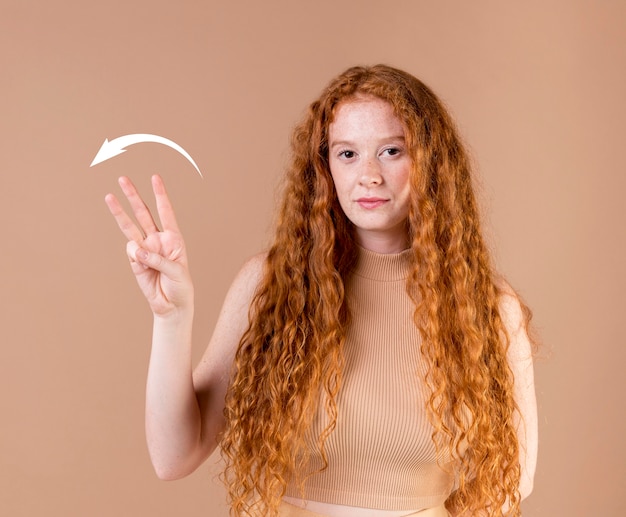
[117, 145]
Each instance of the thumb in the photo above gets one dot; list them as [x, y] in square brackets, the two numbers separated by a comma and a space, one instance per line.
[147, 258]
[144, 257]
[152, 260]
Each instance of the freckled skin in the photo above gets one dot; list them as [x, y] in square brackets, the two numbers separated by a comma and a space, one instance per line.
[370, 167]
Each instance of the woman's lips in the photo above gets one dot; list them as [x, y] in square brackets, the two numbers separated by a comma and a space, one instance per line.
[371, 202]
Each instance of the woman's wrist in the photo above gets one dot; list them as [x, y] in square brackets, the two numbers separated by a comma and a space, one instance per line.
[176, 316]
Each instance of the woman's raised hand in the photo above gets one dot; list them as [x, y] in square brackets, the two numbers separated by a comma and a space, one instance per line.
[157, 256]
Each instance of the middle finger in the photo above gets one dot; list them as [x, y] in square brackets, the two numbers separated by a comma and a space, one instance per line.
[125, 223]
[141, 211]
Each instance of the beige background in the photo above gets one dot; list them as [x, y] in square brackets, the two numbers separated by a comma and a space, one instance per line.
[537, 89]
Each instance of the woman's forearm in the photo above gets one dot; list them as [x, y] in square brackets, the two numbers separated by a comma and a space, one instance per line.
[173, 420]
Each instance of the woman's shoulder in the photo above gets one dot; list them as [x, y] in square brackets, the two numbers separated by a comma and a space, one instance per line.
[516, 317]
[252, 268]
[250, 274]
[248, 278]
[233, 319]
[509, 303]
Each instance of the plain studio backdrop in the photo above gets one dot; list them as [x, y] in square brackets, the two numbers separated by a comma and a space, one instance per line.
[537, 89]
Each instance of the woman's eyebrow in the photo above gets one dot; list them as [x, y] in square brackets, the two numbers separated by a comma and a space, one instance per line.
[384, 140]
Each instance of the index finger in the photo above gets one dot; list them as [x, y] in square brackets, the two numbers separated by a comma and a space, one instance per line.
[164, 206]
[125, 223]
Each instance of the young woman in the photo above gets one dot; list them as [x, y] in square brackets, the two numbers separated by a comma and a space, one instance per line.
[371, 363]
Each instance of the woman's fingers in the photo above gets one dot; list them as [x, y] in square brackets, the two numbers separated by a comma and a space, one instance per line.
[142, 214]
[165, 246]
[164, 206]
[149, 259]
[126, 224]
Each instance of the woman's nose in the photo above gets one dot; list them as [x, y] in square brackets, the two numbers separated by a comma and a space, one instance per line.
[371, 174]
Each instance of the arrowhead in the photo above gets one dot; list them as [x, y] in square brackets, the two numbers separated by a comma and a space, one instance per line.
[108, 150]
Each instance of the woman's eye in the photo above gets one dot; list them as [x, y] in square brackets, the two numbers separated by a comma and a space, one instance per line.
[347, 154]
[392, 151]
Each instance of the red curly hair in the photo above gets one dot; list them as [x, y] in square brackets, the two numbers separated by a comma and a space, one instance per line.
[290, 357]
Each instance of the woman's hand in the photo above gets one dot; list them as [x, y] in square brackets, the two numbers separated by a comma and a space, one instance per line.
[157, 257]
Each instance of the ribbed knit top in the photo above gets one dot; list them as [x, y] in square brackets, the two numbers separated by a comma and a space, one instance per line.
[381, 454]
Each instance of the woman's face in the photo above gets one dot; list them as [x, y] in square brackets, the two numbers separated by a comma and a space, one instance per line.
[370, 167]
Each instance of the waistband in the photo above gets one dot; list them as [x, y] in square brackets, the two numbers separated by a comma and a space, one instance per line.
[289, 510]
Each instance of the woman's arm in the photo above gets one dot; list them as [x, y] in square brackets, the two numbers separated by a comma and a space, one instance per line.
[520, 356]
[183, 409]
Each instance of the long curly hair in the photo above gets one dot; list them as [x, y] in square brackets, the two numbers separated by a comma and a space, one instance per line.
[290, 358]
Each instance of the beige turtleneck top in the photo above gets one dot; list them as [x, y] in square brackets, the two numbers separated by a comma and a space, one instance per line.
[381, 454]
